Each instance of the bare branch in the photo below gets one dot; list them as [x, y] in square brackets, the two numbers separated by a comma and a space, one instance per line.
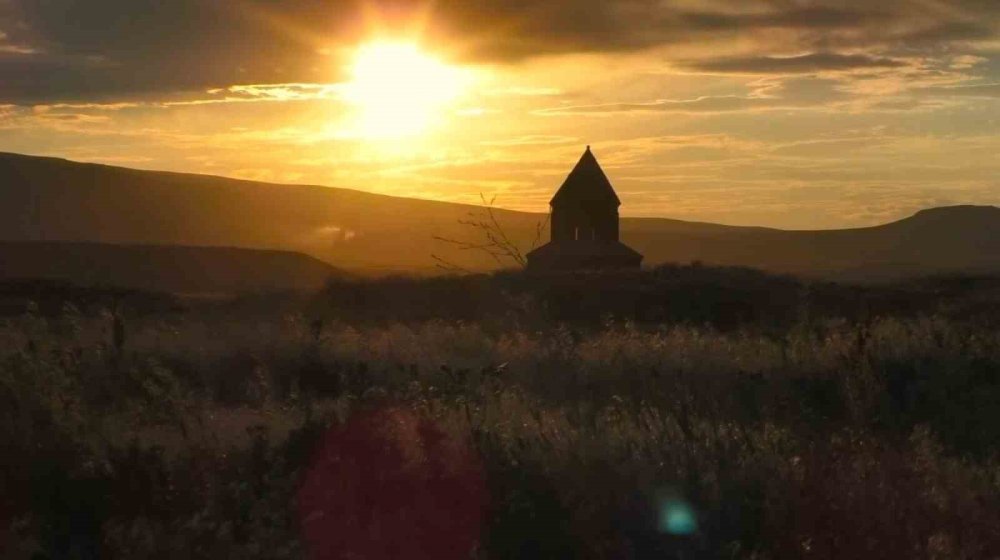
[494, 240]
[447, 265]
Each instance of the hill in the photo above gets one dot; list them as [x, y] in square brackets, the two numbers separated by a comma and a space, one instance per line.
[48, 199]
[955, 239]
[174, 269]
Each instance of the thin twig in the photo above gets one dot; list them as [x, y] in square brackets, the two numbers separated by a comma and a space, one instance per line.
[447, 265]
[495, 241]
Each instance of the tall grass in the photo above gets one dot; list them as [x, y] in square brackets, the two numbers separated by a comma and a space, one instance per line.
[193, 434]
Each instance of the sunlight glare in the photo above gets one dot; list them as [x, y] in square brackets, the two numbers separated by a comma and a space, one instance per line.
[399, 90]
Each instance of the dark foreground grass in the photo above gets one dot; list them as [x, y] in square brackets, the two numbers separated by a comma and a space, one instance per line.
[684, 413]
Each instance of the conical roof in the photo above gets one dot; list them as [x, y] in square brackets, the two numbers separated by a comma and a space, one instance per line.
[586, 183]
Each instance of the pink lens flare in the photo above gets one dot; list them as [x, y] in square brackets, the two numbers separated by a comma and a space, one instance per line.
[391, 484]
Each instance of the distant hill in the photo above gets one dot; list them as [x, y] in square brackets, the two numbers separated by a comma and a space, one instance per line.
[47, 199]
[955, 239]
[174, 269]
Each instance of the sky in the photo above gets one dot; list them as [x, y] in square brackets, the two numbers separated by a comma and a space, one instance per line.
[798, 114]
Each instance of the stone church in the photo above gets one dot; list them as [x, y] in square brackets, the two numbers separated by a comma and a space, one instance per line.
[584, 224]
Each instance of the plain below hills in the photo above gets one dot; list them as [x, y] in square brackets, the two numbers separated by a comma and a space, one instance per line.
[48, 199]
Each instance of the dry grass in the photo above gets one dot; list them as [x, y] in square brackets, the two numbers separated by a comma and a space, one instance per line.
[190, 437]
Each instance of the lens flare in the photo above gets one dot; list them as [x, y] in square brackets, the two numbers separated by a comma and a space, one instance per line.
[677, 517]
[391, 483]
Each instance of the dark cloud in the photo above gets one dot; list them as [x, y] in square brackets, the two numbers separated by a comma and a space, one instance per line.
[132, 48]
[817, 17]
[128, 49]
[807, 63]
[522, 28]
[943, 32]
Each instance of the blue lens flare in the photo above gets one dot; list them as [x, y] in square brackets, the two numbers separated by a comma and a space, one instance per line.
[677, 517]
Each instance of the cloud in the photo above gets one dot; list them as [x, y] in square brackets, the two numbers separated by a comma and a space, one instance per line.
[533, 140]
[85, 106]
[16, 49]
[524, 28]
[972, 90]
[283, 91]
[526, 92]
[764, 95]
[811, 17]
[100, 50]
[253, 93]
[81, 118]
[966, 61]
[7, 112]
[703, 104]
[806, 63]
[121, 49]
[943, 32]
[8, 48]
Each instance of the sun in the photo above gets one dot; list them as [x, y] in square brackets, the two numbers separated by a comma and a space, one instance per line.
[400, 90]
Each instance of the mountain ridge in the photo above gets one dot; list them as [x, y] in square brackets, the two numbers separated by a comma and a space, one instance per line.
[55, 199]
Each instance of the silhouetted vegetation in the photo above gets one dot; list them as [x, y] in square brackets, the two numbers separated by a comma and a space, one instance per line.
[683, 412]
[718, 297]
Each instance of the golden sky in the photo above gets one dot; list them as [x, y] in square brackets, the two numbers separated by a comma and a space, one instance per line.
[787, 113]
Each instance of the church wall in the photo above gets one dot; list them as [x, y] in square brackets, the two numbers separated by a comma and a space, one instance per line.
[570, 222]
[562, 225]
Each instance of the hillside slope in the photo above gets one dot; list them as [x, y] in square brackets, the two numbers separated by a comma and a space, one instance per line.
[174, 269]
[949, 239]
[53, 199]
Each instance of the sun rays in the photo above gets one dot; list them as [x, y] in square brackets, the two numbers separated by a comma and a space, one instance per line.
[398, 90]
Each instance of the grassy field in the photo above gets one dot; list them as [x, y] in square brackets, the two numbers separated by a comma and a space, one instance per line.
[686, 412]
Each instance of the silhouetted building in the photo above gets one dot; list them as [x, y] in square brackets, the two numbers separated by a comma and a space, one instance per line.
[584, 224]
